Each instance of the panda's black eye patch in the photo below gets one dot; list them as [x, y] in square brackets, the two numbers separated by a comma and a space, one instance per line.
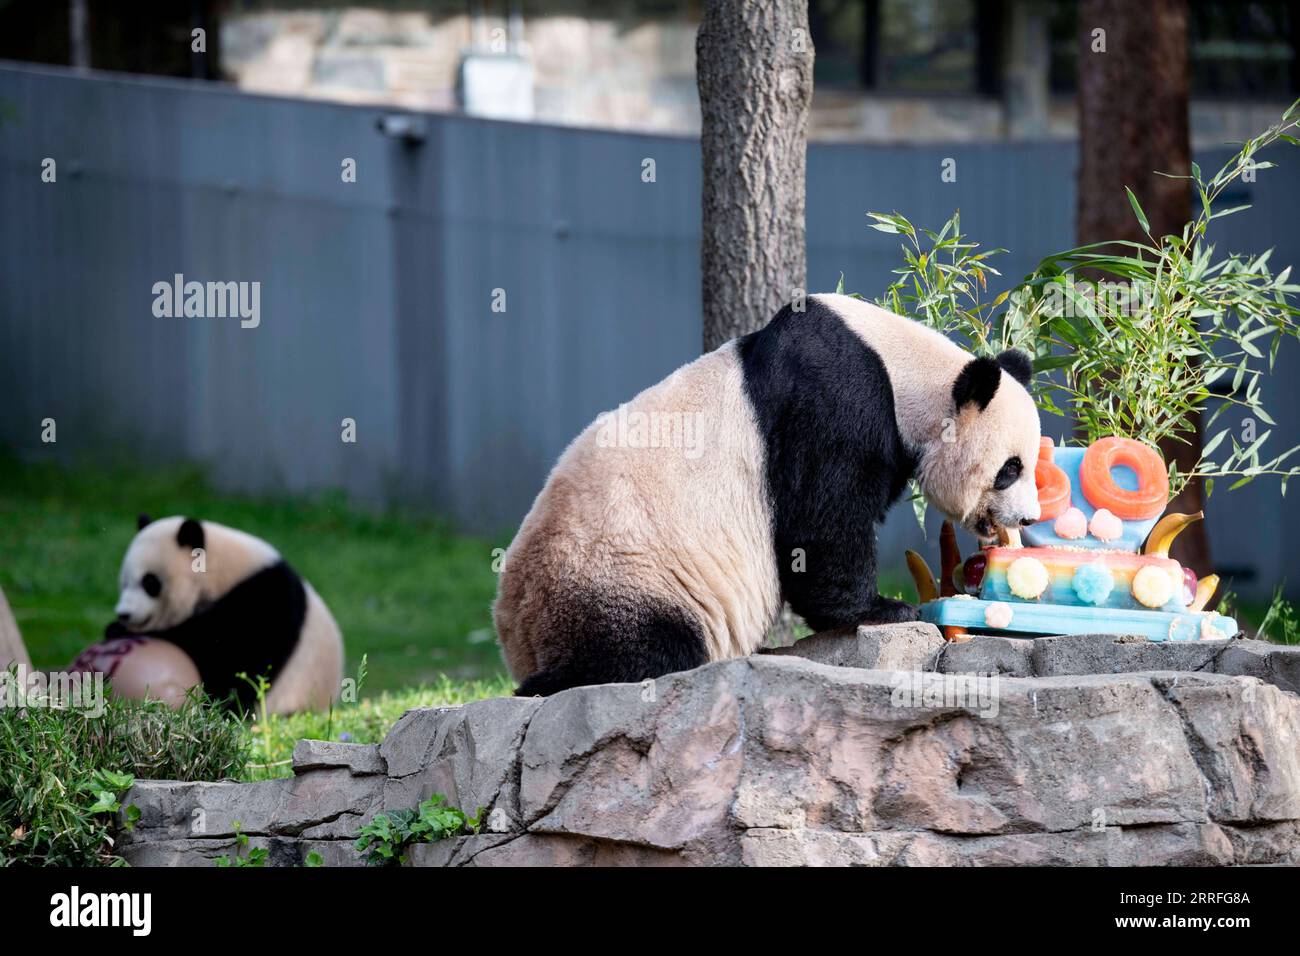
[152, 586]
[1009, 474]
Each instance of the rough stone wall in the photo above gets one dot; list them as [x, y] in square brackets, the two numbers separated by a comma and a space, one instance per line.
[1174, 754]
[634, 74]
[621, 73]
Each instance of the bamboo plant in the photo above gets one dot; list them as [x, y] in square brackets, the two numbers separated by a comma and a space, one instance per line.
[1143, 335]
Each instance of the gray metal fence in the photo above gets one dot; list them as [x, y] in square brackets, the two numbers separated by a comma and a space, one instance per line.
[377, 296]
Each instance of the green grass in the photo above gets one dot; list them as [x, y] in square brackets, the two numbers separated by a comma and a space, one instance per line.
[365, 722]
[62, 772]
[406, 591]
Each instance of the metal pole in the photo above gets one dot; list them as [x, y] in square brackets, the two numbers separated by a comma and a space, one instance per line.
[78, 34]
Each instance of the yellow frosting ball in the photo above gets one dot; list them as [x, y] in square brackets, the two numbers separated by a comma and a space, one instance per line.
[1153, 586]
[1027, 578]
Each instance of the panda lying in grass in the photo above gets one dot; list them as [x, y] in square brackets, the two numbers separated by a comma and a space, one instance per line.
[638, 561]
[229, 601]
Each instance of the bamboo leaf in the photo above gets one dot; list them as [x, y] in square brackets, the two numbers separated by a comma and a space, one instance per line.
[1228, 212]
[1137, 210]
[1214, 443]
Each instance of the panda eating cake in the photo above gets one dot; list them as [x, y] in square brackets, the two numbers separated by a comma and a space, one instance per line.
[1086, 568]
[202, 594]
[651, 550]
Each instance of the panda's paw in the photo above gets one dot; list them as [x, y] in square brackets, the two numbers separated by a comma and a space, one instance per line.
[888, 611]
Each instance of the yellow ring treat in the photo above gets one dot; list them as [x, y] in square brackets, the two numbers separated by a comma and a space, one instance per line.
[1153, 587]
[1027, 578]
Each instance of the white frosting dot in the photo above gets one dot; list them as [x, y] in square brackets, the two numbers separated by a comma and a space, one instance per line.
[998, 615]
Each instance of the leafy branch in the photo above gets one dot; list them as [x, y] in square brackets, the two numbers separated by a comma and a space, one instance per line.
[943, 279]
[1145, 334]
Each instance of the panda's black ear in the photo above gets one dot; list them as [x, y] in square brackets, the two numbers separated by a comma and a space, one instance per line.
[977, 382]
[1018, 365]
[141, 520]
[190, 535]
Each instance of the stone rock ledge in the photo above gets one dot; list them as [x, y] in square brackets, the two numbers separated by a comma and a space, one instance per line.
[920, 646]
[778, 760]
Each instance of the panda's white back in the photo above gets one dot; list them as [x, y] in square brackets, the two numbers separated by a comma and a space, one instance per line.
[313, 675]
[683, 523]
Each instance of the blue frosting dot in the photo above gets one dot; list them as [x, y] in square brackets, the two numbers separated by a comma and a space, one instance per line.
[1093, 583]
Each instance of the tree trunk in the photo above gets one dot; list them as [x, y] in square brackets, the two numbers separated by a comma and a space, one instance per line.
[1132, 123]
[754, 67]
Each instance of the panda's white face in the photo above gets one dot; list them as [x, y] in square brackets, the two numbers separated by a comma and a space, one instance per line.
[175, 567]
[160, 586]
[1011, 501]
[981, 471]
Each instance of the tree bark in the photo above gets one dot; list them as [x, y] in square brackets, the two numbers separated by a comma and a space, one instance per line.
[754, 68]
[1133, 123]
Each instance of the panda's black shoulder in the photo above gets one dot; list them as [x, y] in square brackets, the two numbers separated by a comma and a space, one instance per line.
[809, 362]
[251, 629]
[276, 587]
[824, 408]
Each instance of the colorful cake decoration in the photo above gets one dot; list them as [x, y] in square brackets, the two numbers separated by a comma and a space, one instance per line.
[1071, 525]
[1154, 586]
[1027, 578]
[1104, 526]
[1093, 583]
[1096, 561]
[1053, 483]
[998, 615]
[1100, 488]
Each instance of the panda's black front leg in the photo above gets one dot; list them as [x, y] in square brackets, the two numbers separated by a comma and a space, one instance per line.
[837, 587]
[873, 609]
[889, 611]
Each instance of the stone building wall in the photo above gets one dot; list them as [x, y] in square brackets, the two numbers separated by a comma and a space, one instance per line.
[617, 71]
[587, 72]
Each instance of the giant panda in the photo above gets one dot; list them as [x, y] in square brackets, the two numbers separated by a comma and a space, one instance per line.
[236, 607]
[642, 556]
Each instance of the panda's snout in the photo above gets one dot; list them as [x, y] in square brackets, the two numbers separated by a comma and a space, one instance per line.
[1020, 517]
[1027, 511]
[129, 617]
[128, 620]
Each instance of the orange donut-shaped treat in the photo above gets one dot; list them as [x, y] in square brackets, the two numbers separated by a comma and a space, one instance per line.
[1099, 487]
[1045, 448]
[1053, 489]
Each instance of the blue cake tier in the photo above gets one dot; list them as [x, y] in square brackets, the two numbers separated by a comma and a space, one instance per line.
[1047, 619]
[1042, 534]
